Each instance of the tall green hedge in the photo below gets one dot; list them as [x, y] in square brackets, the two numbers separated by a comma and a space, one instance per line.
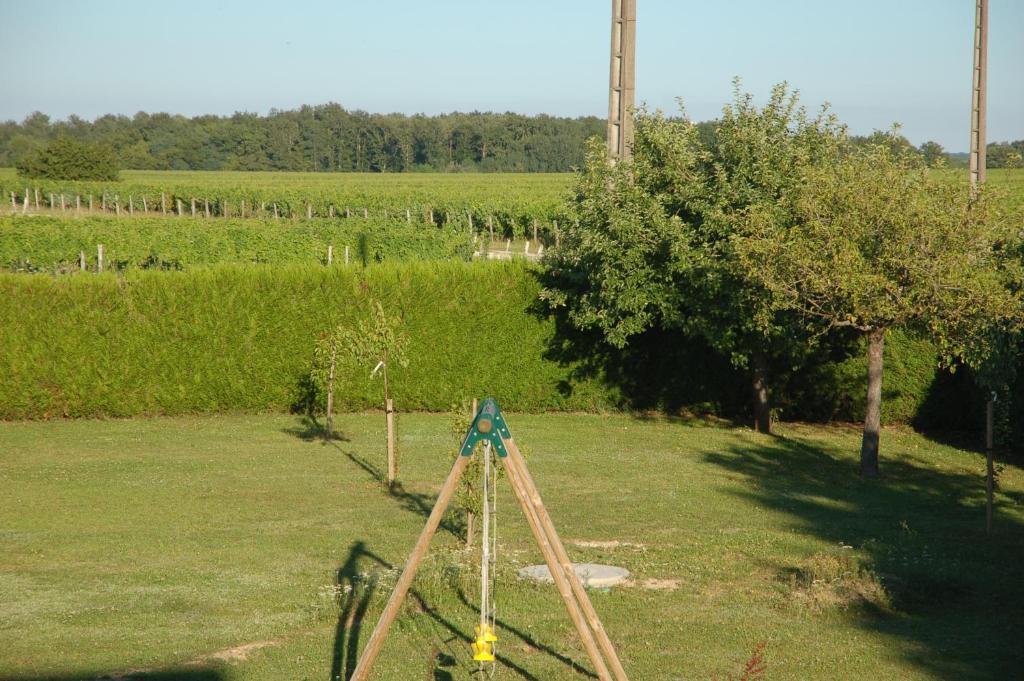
[50, 244]
[231, 338]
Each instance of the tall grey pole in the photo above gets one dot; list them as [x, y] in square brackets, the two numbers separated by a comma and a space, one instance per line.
[622, 79]
[978, 92]
[979, 78]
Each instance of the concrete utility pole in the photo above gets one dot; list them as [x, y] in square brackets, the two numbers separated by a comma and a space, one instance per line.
[978, 92]
[977, 164]
[622, 79]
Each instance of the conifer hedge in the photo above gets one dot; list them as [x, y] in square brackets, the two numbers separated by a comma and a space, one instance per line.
[230, 338]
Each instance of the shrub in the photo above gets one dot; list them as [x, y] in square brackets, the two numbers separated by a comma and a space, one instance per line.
[69, 159]
[242, 338]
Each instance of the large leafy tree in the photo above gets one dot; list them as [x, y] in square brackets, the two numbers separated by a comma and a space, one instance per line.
[877, 243]
[652, 244]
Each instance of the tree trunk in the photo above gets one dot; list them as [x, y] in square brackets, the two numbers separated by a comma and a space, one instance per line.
[762, 410]
[873, 413]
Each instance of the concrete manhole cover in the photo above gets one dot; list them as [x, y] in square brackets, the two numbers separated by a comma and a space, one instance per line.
[591, 574]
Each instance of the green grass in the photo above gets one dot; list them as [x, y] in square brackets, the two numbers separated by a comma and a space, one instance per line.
[150, 544]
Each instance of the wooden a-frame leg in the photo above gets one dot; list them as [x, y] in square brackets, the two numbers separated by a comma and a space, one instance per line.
[376, 640]
[557, 572]
[562, 556]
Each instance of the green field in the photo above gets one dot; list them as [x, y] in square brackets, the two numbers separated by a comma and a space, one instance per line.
[241, 547]
[510, 201]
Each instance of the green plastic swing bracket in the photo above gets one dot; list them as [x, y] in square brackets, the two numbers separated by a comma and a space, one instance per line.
[489, 425]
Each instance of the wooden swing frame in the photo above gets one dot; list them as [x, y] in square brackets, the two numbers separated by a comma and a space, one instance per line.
[489, 424]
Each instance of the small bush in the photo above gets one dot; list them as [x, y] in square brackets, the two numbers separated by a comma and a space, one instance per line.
[836, 580]
[69, 159]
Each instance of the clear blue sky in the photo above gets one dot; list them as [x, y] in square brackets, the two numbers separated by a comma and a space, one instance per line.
[876, 61]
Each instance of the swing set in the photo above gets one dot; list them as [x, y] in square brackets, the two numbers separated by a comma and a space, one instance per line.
[489, 427]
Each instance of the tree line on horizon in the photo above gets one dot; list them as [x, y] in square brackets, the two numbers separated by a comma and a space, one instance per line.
[330, 138]
[326, 138]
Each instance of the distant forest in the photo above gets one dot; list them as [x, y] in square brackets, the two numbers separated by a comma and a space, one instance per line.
[325, 138]
[329, 138]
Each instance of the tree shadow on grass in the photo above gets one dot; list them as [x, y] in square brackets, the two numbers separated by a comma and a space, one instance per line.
[188, 674]
[420, 503]
[357, 581]
[309, 429]
[956, 593]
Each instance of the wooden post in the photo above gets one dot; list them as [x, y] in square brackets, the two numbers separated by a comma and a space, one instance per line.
[180, 211]
[470, 516]
[24, 206]
[51, 201]
[309, 211]
[989, 463]
[431, 216]
[14, 202]
[330, 211]
[99, 257]
[145, 205]
[193, 206]
[37, 197]
[81, 261]
[408, 215]
[330, 254]
[557, 571]
[90, 203]
[242, 209]
[225, 209]
[206, 208]
[346, 255]
[131, 205]
[276, 216]
[347, 213]
[103, 202]
[366, 213]
[557, 240]
[548, 526]
[376, 640]
[117, 204]
[526, 248]
[78, 203]
[490, 226]
[163, 203]
[389, 409]
[535, 229]
[63, 207]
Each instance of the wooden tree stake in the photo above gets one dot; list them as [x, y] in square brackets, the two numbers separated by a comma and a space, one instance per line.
[389, 409]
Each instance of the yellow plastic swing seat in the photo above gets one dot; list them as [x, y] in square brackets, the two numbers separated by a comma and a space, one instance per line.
[487, 634]
[482, 651]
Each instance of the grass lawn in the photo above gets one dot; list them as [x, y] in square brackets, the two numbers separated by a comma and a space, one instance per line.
[239, 547]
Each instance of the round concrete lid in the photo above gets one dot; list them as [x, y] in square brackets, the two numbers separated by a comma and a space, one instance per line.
[591, 574]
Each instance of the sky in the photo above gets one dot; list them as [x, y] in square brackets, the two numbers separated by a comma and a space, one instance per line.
[875, 61]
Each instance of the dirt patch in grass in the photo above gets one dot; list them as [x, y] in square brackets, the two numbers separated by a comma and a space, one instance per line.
[608, 544]
[235, 654]
[654, 584]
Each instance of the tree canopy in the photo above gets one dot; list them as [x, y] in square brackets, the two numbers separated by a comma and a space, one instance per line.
[652, 240]
[68, 159]
[878, 243]
[320, 138]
